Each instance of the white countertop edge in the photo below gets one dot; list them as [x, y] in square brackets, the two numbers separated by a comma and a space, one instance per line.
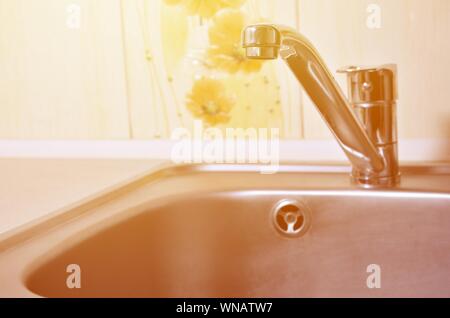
[410, 150]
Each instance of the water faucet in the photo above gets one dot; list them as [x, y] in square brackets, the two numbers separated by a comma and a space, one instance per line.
[366, 133]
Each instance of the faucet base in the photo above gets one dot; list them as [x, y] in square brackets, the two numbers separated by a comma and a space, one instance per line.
[374, 182]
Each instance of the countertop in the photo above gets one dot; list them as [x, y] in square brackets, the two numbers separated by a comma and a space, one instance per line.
[30, 189]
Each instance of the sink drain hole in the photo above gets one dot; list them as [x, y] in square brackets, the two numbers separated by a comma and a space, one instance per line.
[291, 218]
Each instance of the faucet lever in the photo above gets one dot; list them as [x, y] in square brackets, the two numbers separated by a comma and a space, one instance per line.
[369, 84]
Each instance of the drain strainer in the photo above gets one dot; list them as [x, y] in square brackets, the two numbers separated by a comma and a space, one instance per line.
[291, 218]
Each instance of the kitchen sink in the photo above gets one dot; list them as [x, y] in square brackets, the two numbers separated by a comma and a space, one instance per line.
[229, 231]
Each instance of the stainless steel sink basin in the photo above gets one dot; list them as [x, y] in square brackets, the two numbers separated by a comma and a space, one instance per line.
[221, 231]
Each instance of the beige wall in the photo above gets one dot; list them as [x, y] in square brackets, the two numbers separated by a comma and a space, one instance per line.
[57, 82]
[414, 34]
[94, 82]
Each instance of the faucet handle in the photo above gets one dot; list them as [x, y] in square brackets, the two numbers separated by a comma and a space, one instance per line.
[371, 84]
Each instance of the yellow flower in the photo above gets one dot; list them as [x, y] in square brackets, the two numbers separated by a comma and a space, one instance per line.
[205, 8]
[209, 102]
[226, 52]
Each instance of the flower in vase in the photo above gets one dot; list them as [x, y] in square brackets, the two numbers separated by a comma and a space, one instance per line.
[208, 101]
[226, 52]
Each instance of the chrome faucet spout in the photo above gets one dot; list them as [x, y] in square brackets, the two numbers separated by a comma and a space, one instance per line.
[265, 41]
